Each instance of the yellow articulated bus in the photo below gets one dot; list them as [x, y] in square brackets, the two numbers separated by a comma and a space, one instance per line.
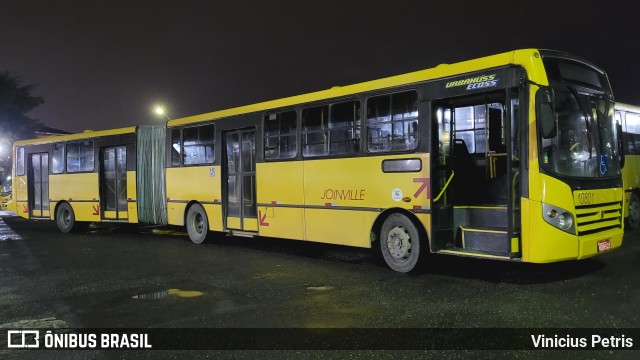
[513, 156]
[628, 116]
[77, 179]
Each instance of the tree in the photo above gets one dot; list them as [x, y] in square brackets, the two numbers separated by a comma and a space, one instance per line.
[15, 102]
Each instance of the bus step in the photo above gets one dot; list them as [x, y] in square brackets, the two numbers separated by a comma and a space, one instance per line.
[480, 216]
[490, 240]
[475, 254]
[248, 234]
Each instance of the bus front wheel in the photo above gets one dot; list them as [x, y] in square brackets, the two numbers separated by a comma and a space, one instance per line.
[400, 243]
[634, 212]
[65, 218]
[197, 224]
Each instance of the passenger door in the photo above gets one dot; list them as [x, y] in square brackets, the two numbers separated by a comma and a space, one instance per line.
[240, 175]
[38, 180]
[113, 183]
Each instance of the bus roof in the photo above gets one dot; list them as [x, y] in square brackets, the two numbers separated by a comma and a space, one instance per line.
[527, 58]
[627, 107]
[87, 134]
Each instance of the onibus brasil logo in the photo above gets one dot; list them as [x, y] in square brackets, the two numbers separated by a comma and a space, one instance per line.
[32, 339]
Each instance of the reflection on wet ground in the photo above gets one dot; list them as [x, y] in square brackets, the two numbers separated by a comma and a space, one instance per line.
[165, 293]
[6, 233]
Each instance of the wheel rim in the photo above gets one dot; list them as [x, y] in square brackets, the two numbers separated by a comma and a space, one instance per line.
[198, 223]
[399, 243]
[65, 217]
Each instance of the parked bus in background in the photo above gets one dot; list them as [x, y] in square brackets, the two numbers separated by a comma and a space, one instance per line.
[513, 156]
[76, 179]
[629, 117]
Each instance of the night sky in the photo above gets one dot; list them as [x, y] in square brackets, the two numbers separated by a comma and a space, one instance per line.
[104, 64]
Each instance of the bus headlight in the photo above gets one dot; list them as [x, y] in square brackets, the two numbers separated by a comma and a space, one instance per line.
[565, 221]
[559, 218]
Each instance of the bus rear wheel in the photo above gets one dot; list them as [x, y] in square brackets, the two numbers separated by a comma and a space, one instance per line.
[400, 243]
[197, 224]
[65, 218]
[634, 212]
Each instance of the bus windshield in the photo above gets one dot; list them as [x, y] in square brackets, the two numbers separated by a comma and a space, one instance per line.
[578, 133]
[575, 113]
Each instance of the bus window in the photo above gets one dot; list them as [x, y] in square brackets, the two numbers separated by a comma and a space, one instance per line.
[344, 123]
[392, 122]
[465, 129]
[175, 147]
[314, 131]
[19, 161]
[280, 135]
[198, 145]
[471, 126]
[57, 158]
[80, 156]
[633, 133]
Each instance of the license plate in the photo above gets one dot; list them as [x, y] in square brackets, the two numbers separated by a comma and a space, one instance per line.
[604, 245]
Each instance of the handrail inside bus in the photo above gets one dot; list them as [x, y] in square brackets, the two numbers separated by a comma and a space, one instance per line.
[445, 187]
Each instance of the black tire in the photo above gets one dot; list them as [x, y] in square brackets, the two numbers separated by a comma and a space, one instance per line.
[400, 243]
[197, 224]
[65, 218]
[633, 220]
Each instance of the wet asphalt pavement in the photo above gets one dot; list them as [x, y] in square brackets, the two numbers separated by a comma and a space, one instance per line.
[156, 278]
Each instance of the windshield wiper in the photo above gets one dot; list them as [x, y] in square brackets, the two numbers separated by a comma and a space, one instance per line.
[586, 115]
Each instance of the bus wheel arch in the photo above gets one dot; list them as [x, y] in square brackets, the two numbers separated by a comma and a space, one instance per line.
[401, 239]
[66, 218]
[633, 218]
[196, 222]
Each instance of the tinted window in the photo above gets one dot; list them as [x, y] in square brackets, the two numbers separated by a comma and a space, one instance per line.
[392, 122]
[565, 70]
[197, 145]
[20, 161]
[57, 158]
[175, 147]
[331, 130]
[80, 156]
[280, 135]
[315, 136]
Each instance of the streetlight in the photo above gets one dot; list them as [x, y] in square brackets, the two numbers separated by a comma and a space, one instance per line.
[160, 111]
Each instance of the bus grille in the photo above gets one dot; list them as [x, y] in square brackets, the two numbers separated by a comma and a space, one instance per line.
[599, 217]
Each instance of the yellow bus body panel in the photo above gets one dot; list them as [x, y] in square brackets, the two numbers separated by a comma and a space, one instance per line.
[360, 182]
[280, 183]
[250, 224]
[132, 197]
[80, 190]
[337, 201]
[552, 244]
[630, 179]
[214, 216]
[194, 183]
[343, 197]
[20, 197]
[234, 222]
[342, 227]
[281, 222]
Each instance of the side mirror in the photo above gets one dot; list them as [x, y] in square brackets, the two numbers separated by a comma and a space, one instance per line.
[546, 115]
